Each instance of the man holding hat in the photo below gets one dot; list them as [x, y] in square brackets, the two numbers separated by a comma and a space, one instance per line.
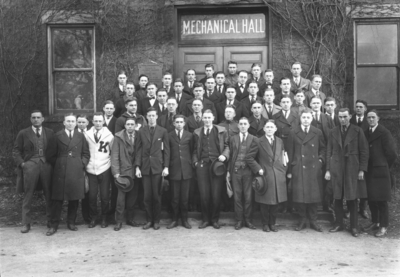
[242, 166]
[122, 168]
[210, 152]
[271, 157]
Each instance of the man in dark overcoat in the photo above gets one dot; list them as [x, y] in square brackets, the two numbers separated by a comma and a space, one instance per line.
[180, 171]
[29, 155]
[257, 121]
[271, 159]
[211, 143]
[152, 161]
[241, 169]
[69, 153]
[382, 155]
[347, 160]
[306, 151]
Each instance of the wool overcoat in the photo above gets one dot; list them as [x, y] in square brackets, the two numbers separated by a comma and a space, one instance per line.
[69, 158]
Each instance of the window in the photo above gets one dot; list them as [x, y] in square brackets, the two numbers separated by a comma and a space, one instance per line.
[71, 69]
[377, 63]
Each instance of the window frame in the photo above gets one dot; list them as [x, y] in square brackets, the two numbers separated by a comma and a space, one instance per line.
[52, 69]
[377, 21]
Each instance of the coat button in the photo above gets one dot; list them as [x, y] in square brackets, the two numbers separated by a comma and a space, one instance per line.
[302, 156]
[304, 166]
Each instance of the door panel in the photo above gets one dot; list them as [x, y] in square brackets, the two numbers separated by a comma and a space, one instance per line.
[196, 58]
[245, 56]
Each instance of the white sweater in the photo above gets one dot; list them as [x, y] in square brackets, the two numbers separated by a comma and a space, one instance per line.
[100, 152]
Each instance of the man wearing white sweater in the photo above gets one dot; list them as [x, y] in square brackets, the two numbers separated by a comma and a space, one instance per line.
[100, 141]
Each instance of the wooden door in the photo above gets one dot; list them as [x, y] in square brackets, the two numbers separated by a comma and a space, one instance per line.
[196, 58]
[245, 56]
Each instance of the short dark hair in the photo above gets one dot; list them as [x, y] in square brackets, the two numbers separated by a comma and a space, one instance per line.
[122, 72]
[256, 102]
[130, 83]
[283, 78]
[69, 114]
[107, 102]
[362, 102]
[243, 71]
[342, 110]
[232, 62]
[161, 90]
[187, 71]
[167, 73]
[198, 85]
[151, 84]
[306, 110]
[268, 70]
[209, 65]
[82, 115]
[374, 111]
[315, 76]
[244, 118]
[178, 80]
[316, 97]
[36, 111]
[218, 73]
[129, 100]
[97, 114]
[129, 118]
[329, 98]
[252, 82]
[173, 98]
[180, 116]
[255, 64]
[299, 63]
[269, 90]
[143, 75]
[152, 109]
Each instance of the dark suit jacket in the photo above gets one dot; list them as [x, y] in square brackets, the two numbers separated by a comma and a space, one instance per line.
[111, 124]
[327, 125]
[260, 81]
[24, 145]
[192, 124]
[257, 129]
[309, 94]
[285, 125]
[182, 102]
[382, 155]
[144, 104]
[232, 127]
[166, 123]
[246, 104]
[140, 94]
[335, 120]
[364, 123]
[239, 94]
[159, 112]
[223, 143]
[220, 107]
[275, 109]
[152, 155]
[304, 85]
[279, 96]
[251, 152]
[275, 87]
[207, 105]
[117, 94]
[215, 97]
[180, 166]
[188, 90]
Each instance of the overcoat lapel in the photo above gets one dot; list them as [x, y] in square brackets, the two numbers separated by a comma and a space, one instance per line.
[266, 145]
[31, 135]
[309, 136]
[351, 134]
[74, 141]
[64, 137]
[337, 136]
[376, 134]
[147, 132]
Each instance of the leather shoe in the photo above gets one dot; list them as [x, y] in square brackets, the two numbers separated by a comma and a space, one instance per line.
[382, 231]
[364, 214]
[104, 223]
[239, 225]
[216, 225]
[337, 228]
[354, 232]
[266, 228]
[25, 228]
[118, 227]
[372, 226]
[132, 223]
[92, 224]
[51, 231]
[72, 227]
[204, 225]
[250, 225]
[315, 226]
[301, 226]
[273, 228]
[186, 225]
[172, 225]
[147, 226]
[156, 226]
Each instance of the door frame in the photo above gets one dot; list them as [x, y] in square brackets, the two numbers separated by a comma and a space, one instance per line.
[178, 9]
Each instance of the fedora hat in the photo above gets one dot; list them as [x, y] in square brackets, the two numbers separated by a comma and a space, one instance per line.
[218, 168]
[124, 183]
[259, 185]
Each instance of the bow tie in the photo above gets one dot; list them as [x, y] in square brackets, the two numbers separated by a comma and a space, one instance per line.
[152, 97]
[229, 121]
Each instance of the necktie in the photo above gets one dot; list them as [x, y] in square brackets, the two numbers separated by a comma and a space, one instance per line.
[370, 131]
[316, 116]
[70, 134]
[253, 99]
[219, 89]
[285, 112]
[270, 109]
[82, 131]
[271, 141]
[306, 130]
[344, 128]
[131, 138]
[37, 132]
[256, 79]
[243, 138]
[178, 98]
[229, 102]
[317, 93]
[96, 136]
[242, 87]
[152, 130]
[179, 135]
[162, 108]
[208, 132]
[190, 84]
[359, 121]
[198, 118]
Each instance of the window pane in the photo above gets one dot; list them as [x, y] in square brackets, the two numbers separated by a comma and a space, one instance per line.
[73, 90]
[377, 85]
[72, 48]
[377, 44]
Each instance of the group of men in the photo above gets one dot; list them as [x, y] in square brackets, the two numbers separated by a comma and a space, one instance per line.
[236, 134]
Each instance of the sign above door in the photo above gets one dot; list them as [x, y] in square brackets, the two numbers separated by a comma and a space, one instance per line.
[223, 27]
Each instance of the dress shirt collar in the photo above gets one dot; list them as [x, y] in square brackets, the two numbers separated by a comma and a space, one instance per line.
[67, 132]
[205, 129]
[121, 87]
[373, 128]
[245, 135]
[34, 129]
